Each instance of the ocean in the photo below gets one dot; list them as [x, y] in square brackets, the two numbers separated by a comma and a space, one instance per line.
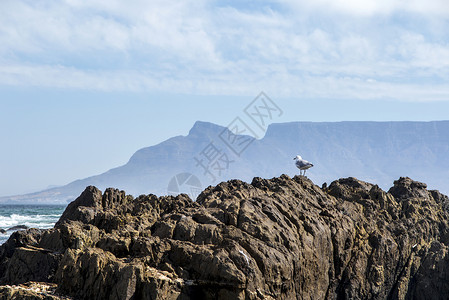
[32, 216]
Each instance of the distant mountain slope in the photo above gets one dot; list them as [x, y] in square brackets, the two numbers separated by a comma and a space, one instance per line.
[372, 151]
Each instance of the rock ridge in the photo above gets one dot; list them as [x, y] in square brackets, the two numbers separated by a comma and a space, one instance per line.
[279, 238]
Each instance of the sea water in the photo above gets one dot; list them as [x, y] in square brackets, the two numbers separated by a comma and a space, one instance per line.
[32, 216]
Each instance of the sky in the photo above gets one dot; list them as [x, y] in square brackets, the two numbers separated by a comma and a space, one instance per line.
[84, 84]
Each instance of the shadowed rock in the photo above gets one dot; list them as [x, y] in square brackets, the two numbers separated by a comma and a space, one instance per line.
[17, 227]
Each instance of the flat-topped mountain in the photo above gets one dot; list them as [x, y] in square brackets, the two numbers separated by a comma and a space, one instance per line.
[371, 151]
[280, 238]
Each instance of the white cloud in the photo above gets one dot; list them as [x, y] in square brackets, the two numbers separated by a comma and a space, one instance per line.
[304, 86]
[373, 7]
[196, 47]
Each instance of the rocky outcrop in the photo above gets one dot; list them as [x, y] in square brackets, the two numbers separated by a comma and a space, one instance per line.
[31, 291]
[280, 238]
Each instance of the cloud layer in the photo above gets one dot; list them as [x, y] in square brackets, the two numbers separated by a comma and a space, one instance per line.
[328, 49]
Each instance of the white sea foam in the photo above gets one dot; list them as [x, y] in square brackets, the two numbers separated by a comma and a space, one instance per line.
[38, 221]
[41, 217]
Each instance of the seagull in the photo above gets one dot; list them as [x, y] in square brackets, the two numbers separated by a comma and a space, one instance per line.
[302, 164]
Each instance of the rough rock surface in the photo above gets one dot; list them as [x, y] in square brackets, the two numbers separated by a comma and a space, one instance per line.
[31, 291]
[282, 238]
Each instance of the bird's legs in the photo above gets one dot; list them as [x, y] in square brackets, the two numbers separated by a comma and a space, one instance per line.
[304, 172]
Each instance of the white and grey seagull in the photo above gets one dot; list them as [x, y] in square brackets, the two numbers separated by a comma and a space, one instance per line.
[302, 164]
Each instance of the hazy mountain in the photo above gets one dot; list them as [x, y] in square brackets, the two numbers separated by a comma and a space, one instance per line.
[378, 152]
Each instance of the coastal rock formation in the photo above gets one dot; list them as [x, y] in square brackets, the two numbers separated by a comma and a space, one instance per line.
[31, 291]
[280, 238]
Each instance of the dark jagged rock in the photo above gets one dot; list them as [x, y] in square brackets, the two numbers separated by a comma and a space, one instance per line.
[280, 238]
[405, 188]
[17, 227]
[84, 207]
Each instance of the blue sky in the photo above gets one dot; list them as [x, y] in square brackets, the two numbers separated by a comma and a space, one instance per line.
[83, 84]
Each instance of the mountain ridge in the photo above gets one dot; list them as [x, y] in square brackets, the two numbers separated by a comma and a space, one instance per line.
[372, 151]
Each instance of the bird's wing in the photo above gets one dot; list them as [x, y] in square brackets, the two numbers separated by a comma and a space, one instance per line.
[301, 163]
